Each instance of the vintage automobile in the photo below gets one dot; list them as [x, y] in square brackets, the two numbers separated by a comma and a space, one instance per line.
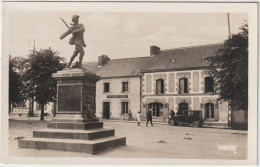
[190, 117]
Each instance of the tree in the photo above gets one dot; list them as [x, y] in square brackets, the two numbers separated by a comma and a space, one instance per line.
[38, 77]
[15, 83]
[229, 69]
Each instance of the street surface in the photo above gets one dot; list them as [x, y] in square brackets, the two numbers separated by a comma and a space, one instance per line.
[160, 141]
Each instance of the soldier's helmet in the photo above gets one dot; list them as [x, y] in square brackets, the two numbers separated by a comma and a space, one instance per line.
[74, 17]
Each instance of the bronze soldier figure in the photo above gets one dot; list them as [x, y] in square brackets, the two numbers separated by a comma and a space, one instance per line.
[77, 30]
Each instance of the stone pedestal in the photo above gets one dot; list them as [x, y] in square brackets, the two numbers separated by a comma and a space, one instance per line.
[75, 127]
[76, 95]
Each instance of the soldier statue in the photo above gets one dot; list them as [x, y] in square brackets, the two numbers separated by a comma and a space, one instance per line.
[77, 30]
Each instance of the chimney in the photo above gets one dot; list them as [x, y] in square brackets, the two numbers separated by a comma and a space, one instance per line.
[154, 50]
[102, 60]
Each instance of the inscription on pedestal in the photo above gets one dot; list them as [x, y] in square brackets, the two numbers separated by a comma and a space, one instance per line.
[69, 98]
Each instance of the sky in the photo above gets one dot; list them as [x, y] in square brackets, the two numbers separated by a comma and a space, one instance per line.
[116, 34]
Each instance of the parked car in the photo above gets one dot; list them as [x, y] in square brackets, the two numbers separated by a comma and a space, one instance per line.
[190, 117]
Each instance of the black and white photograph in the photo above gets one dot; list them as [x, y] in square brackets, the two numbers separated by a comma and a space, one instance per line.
[129, 83]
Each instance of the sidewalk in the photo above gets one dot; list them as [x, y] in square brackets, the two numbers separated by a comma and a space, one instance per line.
[25, 118]
[143, 122]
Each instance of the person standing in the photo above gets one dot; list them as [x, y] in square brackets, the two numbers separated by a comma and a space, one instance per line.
[138, 117]
[171, 116]
[149, 117]
[129, 115]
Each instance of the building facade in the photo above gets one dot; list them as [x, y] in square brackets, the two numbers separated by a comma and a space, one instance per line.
[118, 90]
[116, 96]
[173, 79]
[181, 90]
[30, 108]
[177, 81]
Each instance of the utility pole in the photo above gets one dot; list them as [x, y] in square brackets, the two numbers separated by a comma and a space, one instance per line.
[33, 47]
[229, 35]
[33, 96]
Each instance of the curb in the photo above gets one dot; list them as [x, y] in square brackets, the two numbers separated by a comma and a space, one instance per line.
[123, 121]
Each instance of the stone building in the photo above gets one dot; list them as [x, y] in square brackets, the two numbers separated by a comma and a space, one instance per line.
[176, 80]
[167, 80]
[26, 108]
[118, 90]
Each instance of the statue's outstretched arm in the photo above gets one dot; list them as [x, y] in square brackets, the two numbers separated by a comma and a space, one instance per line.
[81, 29]
[66, 33]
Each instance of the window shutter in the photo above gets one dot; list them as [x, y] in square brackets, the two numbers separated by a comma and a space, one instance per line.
[216, 105]
[201, 106]
[166, 105]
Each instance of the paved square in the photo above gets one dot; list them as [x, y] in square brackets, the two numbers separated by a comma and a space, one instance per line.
[160, 141]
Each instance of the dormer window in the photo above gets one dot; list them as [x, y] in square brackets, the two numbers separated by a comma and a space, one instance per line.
[202, 59]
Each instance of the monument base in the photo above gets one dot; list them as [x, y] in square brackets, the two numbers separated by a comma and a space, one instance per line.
[88, 137]
[72, 118]
[75, 127]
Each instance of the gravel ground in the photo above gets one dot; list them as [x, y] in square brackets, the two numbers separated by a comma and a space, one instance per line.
[160, 141]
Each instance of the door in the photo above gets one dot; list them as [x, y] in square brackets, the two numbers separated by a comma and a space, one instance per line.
[183, 109]
[157, 109]
[209, 107]
[106, 110]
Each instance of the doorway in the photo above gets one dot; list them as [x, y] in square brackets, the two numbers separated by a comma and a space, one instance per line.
[157, 109]
[106, 110]
[183, 108]
[209, 107]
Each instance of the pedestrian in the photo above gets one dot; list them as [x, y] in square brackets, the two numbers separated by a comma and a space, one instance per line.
[171, 116]
[149, 117]
[129, 115]
[138, 117]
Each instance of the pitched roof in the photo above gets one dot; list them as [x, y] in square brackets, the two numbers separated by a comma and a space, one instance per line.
[91, 66]
[180, 58]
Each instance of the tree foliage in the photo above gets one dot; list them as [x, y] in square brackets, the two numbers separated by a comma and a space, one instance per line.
[230, 70]
[38, 76]
[15, 83]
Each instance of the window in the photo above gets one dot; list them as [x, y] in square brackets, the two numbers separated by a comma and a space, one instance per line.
[183, 85]
[209, 84]
[159, 86]
[124, 86]
[124, 107]
[106, 87]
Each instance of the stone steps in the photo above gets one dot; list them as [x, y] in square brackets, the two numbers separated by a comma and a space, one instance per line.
[75, 125]
[88, 137]
[74, 134]
[86, 146]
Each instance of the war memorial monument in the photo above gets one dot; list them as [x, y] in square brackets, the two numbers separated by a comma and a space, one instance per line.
[75, 126]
